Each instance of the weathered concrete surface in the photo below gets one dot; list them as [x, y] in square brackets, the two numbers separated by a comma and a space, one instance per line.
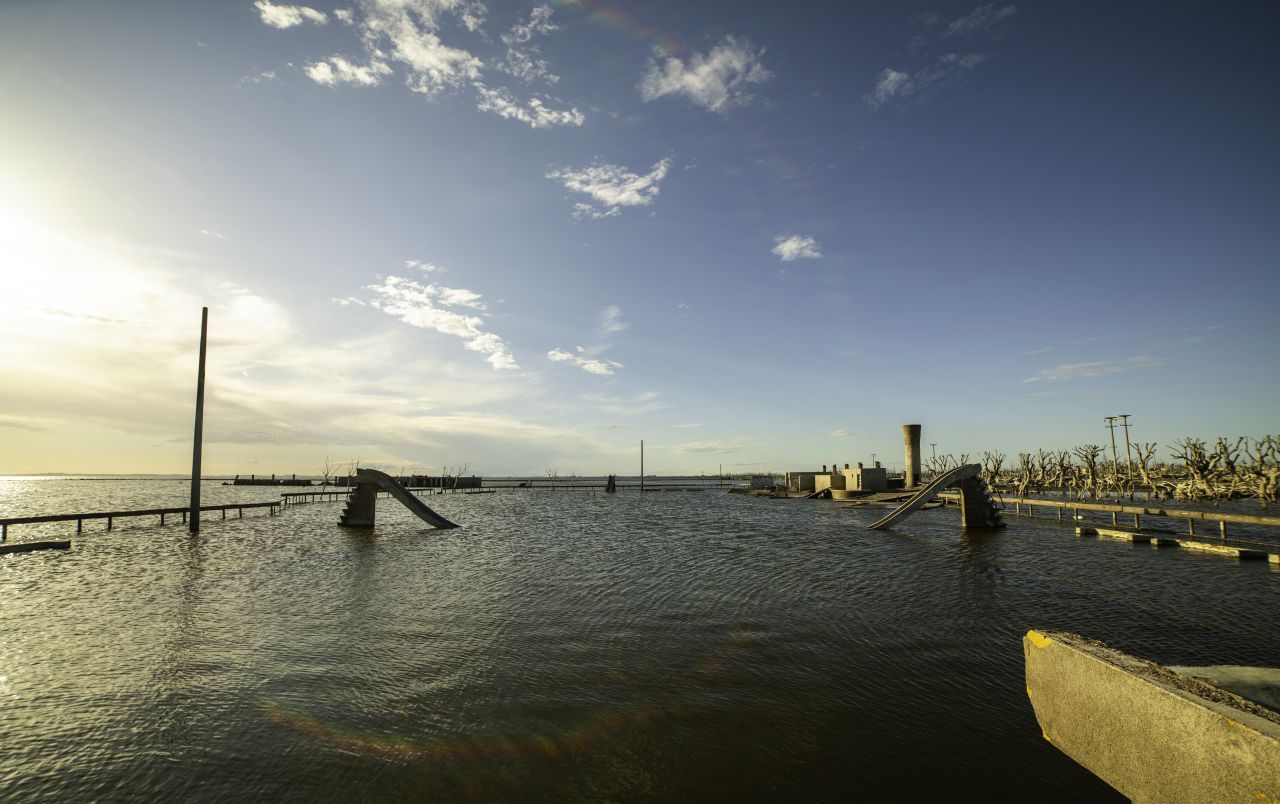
[911, 441]
[1151, 733]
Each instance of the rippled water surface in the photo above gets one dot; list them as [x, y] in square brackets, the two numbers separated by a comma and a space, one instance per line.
[567, 646]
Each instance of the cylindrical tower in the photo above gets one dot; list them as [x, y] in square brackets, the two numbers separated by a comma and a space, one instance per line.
[911, 438]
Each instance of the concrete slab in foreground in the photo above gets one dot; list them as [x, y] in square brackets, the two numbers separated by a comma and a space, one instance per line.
[1151, 733]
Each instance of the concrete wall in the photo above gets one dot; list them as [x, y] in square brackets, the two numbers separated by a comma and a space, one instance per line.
[1153, 734]
[866, 479]
[800, 481]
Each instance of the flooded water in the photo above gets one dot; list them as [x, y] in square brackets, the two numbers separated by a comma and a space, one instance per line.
[567, 646]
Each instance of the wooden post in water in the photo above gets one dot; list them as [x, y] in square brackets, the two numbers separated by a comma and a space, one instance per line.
[642, 466]
[194, 519]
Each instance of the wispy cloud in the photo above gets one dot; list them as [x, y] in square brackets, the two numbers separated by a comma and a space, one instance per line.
[1094, 368]
[406, 36]
[588, 358]
[730, 445]
[534, 113]
[633, 405]
[213, 234]
[286, 16]
[611, 322]
[980, 19]
[338, 70]
[424, 266]
[423, 305]
[716, 81]
[791, 247]
[686, 426]
[523, 59]
[611, 187]
[264, 77]
[897, 85]
[582, 361]
[894, 85]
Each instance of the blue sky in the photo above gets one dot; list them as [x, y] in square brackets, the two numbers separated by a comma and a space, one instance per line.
[521, 235]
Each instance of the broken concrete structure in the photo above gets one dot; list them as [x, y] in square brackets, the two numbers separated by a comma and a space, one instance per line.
[1149, 732]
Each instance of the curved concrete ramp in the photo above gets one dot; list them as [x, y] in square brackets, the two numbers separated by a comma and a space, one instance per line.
[360, 504]
[917, 501]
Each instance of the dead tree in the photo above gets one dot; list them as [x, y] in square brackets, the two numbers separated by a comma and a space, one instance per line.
[1024, 473]
[1199, 464]
[991, 463]
[1264, 468]
[1063, 469]
[1088, 455]
[1144, 452]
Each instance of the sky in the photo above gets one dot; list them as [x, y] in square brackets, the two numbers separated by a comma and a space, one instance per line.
[522, 237]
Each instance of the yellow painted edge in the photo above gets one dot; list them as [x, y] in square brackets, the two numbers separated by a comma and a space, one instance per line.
[1240, 726]
[1038, 639]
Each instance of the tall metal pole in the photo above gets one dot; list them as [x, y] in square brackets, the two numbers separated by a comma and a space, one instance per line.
[642, 466]
[194, 518]
[1128, 456]
[1111, 425]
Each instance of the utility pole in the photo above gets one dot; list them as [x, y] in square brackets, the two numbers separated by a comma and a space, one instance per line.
[1111, 425]
[933, 450]
[1128, 457]
[642, 466]
[193, 519]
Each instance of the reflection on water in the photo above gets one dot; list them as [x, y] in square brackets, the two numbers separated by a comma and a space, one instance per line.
[572, 646]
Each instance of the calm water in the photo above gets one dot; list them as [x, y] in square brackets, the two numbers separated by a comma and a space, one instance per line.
[568, 646]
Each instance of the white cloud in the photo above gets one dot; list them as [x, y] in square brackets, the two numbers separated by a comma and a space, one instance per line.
[965, 60]
[731, 445]
[533, 114]
[633, 405]
[523, 59]
[891, 84]
[424, 266]
[213, 234]
[686, 426]
[409, 28]
[405, 36]
[1095, 368]
[611, 321]
[266, 76]
[611, 187]
[337, 70]
[980, 18]
[416, 304]
[842, 433]
[896, 85]
[587, 364]
[716, 81]
[796, 247]
[283, 16]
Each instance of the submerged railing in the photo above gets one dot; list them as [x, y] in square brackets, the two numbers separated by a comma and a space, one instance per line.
[111, 516]
[1015, 505]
